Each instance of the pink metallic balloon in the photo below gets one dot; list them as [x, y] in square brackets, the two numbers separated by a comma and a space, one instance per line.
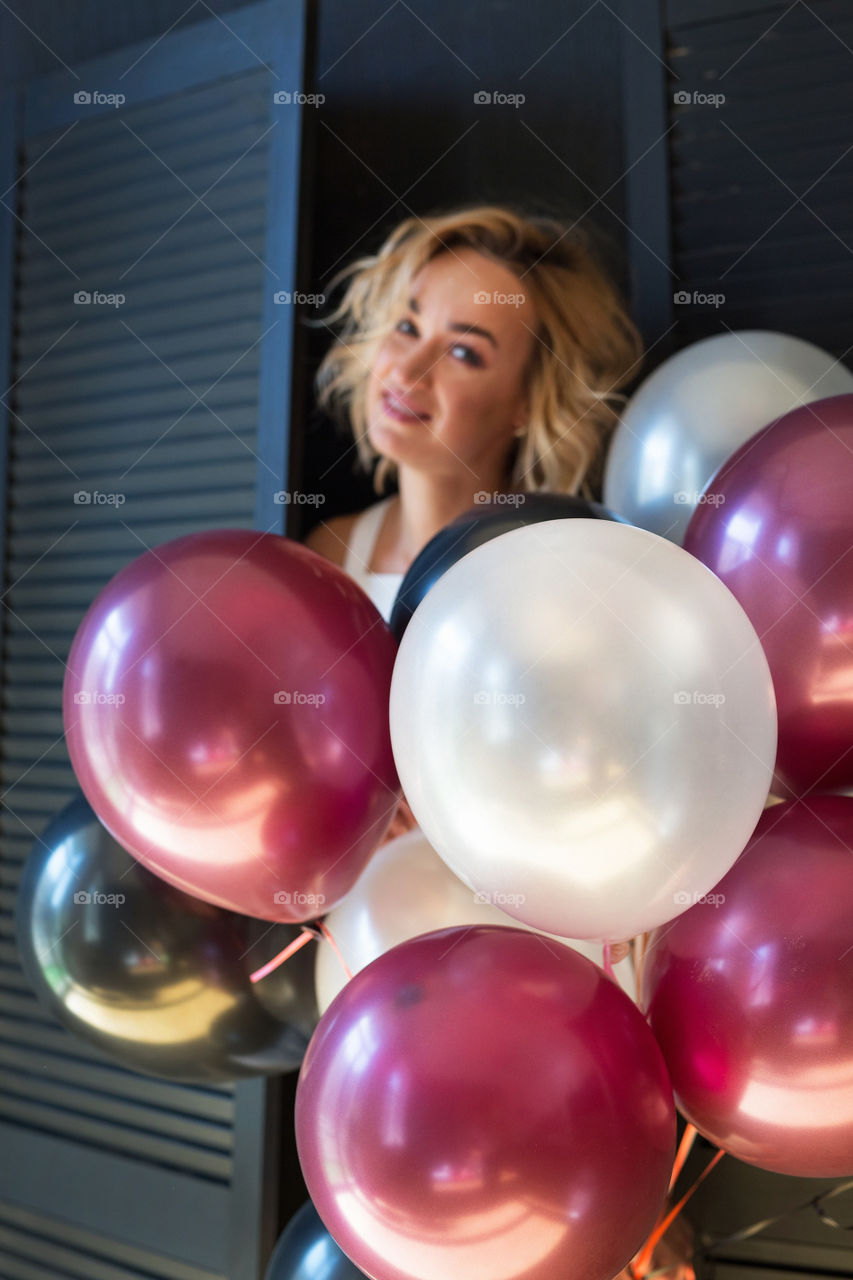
[776, 525]
[226, 711]
[750, 995]
[481, 1102]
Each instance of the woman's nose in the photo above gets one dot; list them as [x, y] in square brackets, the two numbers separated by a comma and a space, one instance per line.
[413, 366]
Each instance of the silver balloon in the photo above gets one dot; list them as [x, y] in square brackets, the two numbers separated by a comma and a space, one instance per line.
[405, 890]
[696, 409]
[583, 722]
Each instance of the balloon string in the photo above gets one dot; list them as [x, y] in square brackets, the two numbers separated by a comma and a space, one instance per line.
[639, 1268]
[684, 1148]
[686, 1271]
[607, 962]
[290, 950]
[639, 960]
[328, 936]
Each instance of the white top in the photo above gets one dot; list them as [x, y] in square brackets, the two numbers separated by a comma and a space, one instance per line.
[382, 588]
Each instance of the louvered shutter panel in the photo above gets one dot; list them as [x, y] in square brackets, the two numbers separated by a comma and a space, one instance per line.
[150, 367]
[762, 185]
[749, 199]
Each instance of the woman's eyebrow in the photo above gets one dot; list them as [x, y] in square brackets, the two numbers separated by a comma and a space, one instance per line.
[461, 328]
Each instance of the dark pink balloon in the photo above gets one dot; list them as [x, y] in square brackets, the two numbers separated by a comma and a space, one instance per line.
[226, 711]
[776, 525]
[750, 995]
[482, 1102]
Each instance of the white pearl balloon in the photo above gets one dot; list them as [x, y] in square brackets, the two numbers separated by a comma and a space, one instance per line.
[583, 721]
[696, 409]
[406, 890]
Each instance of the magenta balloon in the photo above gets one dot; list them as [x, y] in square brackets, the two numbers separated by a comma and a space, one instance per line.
[776, 525]
[750, 995]
[226, 711]
[478, 1102]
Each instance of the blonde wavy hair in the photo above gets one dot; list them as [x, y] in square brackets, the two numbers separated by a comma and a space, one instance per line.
[587, 346]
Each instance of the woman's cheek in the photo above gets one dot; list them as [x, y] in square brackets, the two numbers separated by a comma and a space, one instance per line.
[469, 421]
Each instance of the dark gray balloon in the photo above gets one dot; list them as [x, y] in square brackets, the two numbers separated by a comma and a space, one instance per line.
[306, 1251]
[155, 978]
[481, 524]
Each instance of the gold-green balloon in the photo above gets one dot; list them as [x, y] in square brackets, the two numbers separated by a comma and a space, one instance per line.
[157, 979]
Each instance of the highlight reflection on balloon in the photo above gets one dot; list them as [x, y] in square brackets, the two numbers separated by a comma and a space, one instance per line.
[477, 1102]
[405, 890]
[750, 996]
[778, 531]
[225, 707]
[153, 977]
[583, 722]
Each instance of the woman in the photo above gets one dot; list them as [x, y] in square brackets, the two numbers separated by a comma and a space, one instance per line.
[481, 352]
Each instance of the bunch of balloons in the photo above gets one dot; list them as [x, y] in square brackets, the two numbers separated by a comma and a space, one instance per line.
[741, 446]
[464, 1106]
[582, 714]
[225, 709]
[748, 992]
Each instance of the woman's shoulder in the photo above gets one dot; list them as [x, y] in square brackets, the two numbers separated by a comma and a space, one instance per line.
[330, 538]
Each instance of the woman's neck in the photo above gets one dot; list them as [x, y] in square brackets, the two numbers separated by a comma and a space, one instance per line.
[428, 503]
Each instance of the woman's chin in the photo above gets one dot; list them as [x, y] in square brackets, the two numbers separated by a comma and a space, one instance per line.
[392, 440]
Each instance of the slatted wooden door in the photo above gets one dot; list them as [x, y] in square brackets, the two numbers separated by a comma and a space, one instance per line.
[739, 168]
[154, 217]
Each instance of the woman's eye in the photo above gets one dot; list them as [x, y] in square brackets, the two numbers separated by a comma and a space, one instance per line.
[469, 355]
[459, 349]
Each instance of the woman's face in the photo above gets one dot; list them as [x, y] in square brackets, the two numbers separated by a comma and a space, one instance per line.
[446, 391]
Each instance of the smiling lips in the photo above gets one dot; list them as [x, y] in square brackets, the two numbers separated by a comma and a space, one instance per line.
[401, 409]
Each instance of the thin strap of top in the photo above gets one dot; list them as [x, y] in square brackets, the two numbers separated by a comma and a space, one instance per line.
[365, 531]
